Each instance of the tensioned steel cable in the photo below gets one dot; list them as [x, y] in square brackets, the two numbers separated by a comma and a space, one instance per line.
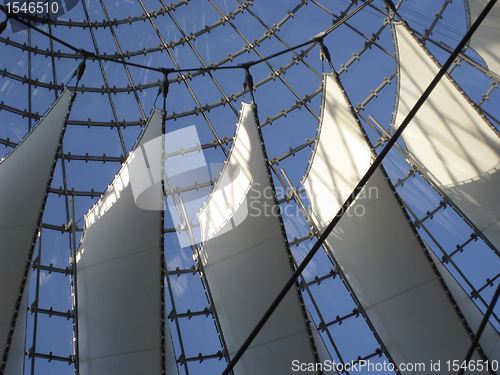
[190, 44]
[90, 55]
[480, 330]
[352, 197]
[145, 67]
[249, 64]
[270, 30]
[184, 79]
[63, 168]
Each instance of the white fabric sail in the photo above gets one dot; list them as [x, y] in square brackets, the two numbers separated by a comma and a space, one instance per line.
[15, 361]
[25, 176]
[490, 339]
[449, 139]
[486, 40]
[348, 145]
[378, 251]
[246, 261]
[119, 272]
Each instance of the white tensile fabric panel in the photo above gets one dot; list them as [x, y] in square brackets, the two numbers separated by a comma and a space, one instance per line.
[24, 178]
[490, 339]
[450, 141]
[486, 39]
[382, 258]
[385, 264]
[343, 141]
[119, 274]
[246, 261]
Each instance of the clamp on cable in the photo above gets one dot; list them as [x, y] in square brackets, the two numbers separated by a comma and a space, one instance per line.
[248, 82]
[163, 89]
[324, 53]
[78, 73]
[164, 85]
[389, 4]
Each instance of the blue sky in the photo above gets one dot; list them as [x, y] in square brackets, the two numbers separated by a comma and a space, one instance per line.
[274, 97]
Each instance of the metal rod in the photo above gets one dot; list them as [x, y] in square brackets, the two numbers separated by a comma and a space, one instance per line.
[338, 269]
[480, 330]
[20, 19]
[358, 188]
[50, 312]
[91, 55]
[52, 357]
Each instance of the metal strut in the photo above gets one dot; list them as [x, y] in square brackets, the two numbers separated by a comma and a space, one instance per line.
[78, 73]
[96, 56]
[481, 328]
[358, 189]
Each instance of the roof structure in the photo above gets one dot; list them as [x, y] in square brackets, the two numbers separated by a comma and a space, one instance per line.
[198, 60]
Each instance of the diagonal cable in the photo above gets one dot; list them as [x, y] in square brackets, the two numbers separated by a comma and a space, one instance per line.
[377, 162]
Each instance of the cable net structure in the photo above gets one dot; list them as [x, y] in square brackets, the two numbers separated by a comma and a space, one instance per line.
[127, 264]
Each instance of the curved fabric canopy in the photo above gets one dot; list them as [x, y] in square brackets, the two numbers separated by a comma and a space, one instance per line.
[130, 46]
[490, 339]
[119, 271]
[451, 142]
[25, 176]
[380, 254]
[246, 261]
[486, 40]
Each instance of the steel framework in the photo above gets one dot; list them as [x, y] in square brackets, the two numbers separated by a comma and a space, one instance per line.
[194, 38]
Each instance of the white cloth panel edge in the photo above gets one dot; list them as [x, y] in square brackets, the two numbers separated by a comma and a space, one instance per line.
[127, 279]
[486, 39]
[246, 264]
[455, 146]
[386, 280]
[490, 340]
[343, 142]
[23, 184]
[385, 264]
